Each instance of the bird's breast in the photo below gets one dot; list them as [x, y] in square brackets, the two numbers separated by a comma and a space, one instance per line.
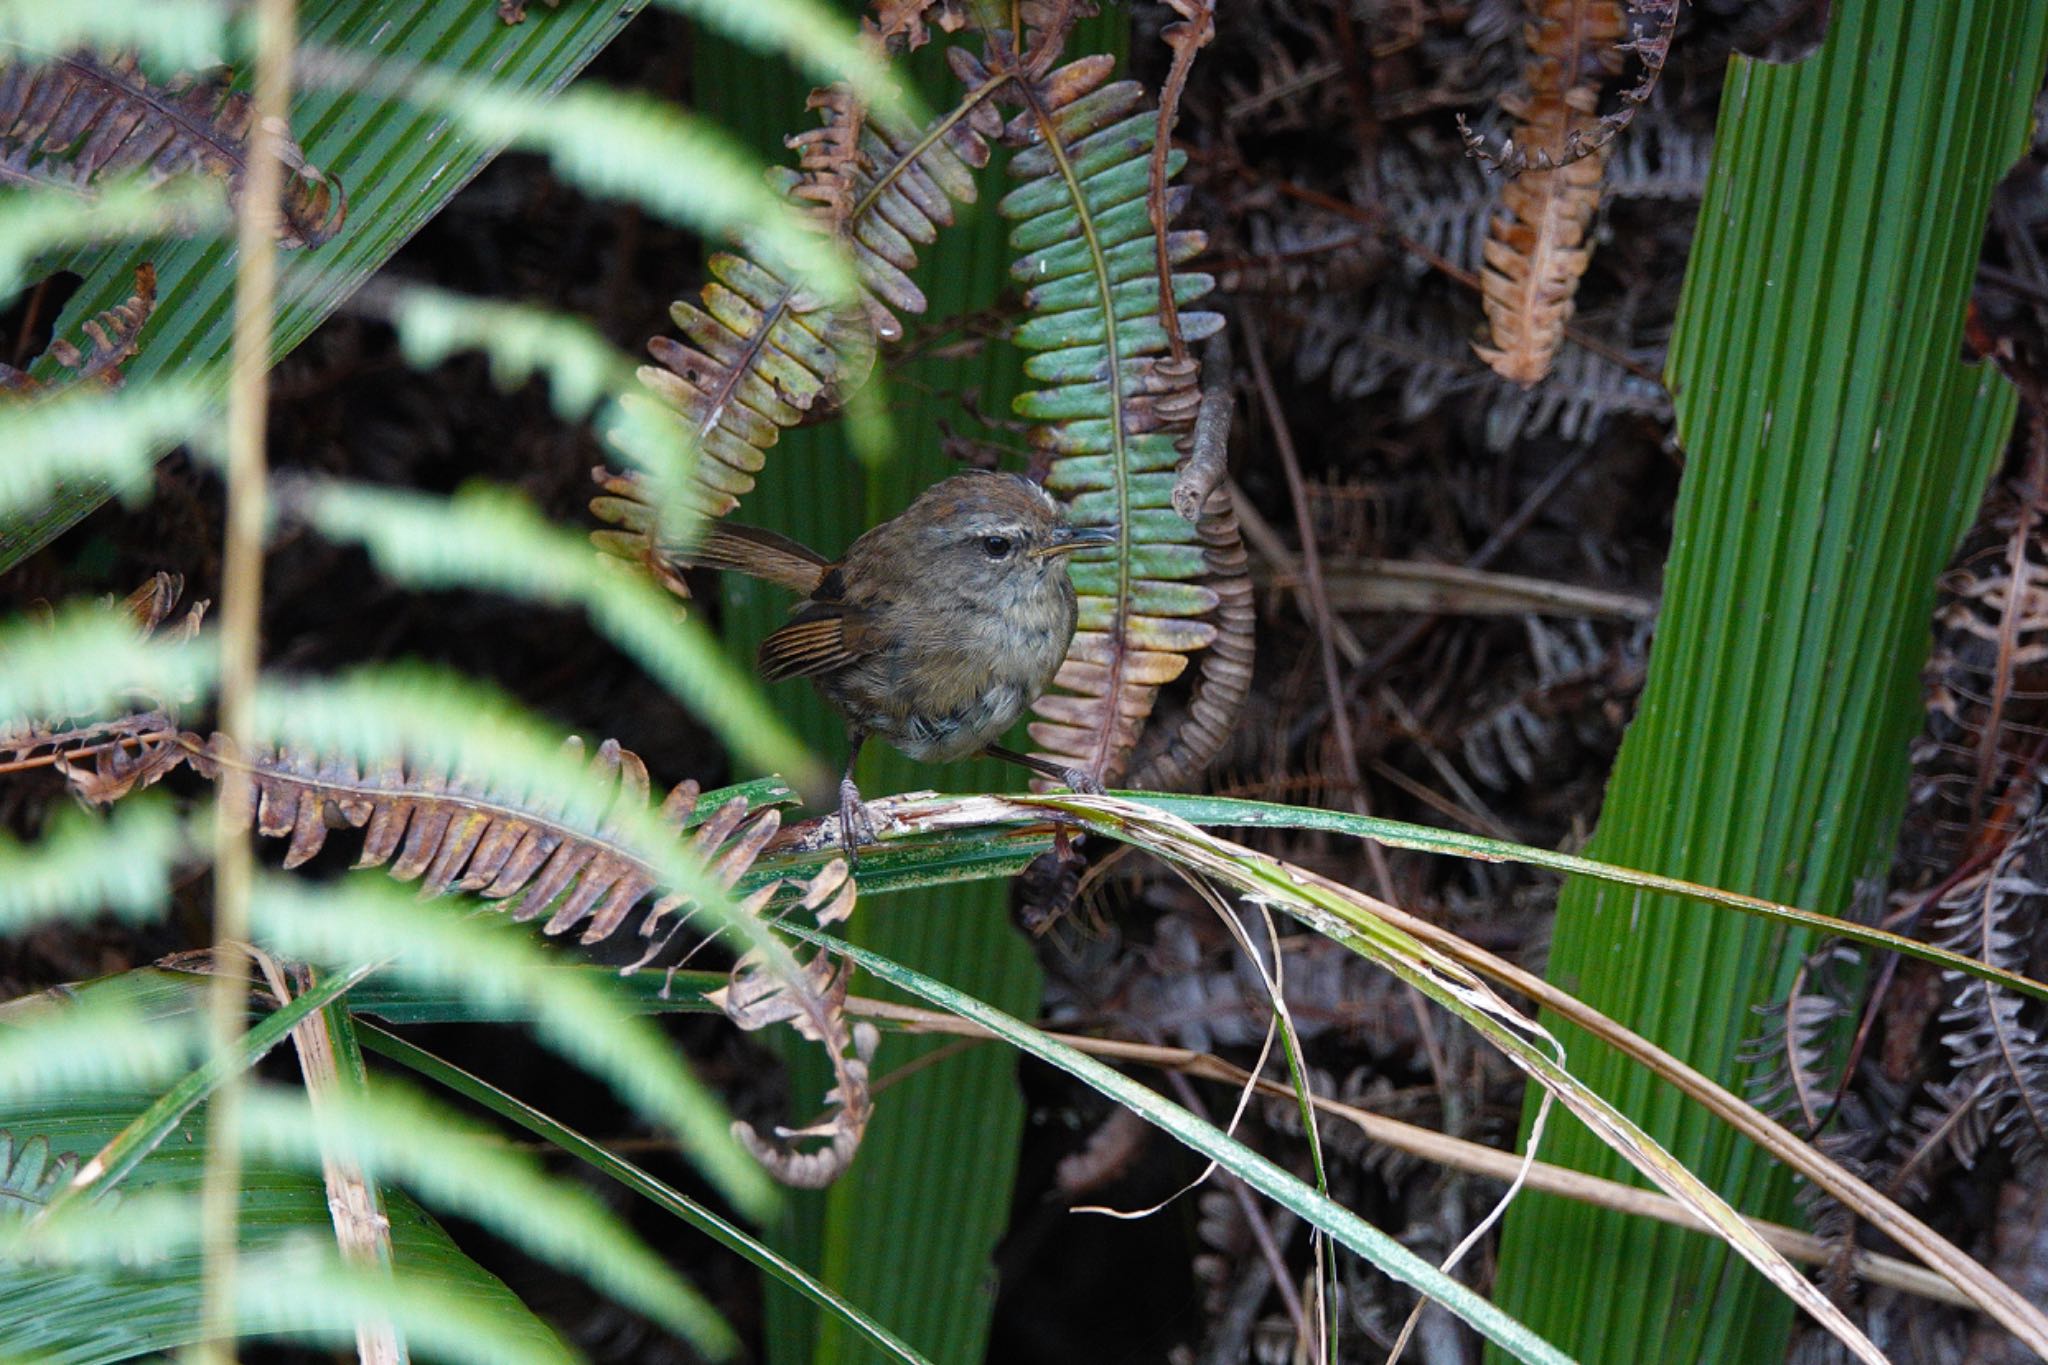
[956, 677]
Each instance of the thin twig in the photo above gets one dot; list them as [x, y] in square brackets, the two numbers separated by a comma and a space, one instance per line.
[1312, 582]
[241, 607]
[1191, 35]
[1208, 462]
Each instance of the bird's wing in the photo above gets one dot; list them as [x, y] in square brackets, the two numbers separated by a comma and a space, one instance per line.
[760, 554]
[825, 636]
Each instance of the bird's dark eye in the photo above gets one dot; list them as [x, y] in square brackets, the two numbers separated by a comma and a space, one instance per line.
[995, 547]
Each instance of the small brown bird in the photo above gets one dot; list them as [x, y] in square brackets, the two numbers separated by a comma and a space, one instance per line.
[936, 629]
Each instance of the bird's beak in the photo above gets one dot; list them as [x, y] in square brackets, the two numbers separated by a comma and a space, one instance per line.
[1067, 539]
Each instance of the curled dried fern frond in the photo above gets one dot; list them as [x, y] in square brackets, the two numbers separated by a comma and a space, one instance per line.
[757, 999]
[104, 758]
[452, 834]
[1113, 407]
[1537, 247]
[115, 334]
[1178, 747]
[69, 121]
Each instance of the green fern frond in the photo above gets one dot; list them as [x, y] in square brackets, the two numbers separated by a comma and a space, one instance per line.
[814, 36]
[111, 439]
[181, 34]
[620, 145]
[30, 1173]
[308, 1295]
[1110, 410]
[586, 374]
[51, 1045]
[34, 224]
[463, 1168]
[491, 538]
[89, 662]
[521, 340]
[365, 920]
[83, 867]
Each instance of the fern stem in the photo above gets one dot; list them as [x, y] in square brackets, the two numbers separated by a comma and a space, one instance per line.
[241, 607]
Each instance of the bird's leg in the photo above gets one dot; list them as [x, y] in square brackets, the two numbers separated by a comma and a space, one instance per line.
[1073, 778]
[855, 826]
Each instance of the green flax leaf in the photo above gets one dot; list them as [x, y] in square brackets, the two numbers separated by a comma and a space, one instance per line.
[1836, 450]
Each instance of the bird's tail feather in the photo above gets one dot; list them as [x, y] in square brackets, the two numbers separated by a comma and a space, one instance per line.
[758, 554]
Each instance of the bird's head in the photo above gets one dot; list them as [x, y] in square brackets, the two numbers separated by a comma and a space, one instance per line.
[994, 536]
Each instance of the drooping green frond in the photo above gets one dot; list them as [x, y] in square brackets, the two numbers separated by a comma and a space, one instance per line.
[491, 538]
[110, 441]
[181, 34]
[108, 1040]
[32, 225]
[1112, 405]
[83, 867]
[366, 920]
[622, 145]
[815, 36]
[462, 1168]
[401, 164]
[90, 662]
[521, 340]
[307, 1296]
[113, 1283]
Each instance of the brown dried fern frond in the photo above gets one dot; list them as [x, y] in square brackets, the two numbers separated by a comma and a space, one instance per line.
[453, 835]
[69, 121]
[765, 352]
[757, 999]
[1178, 748]
[1652, 49]
[1538, 246]
[903, 25]
[104, 758]
[115, 334]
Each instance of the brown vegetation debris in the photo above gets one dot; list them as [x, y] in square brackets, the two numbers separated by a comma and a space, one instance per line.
[1537, 246]
[115, 334]
[70, 121]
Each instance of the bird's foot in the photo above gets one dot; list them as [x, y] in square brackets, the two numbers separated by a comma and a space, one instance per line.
[1081, 781]
[856, 825]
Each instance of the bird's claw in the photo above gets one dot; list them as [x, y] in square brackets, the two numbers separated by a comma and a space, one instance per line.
[1081, 781]
[856, 825]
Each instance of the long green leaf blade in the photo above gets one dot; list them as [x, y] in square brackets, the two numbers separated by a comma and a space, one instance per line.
[1836, 451]
[1254, 1169]
[638, 1180]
